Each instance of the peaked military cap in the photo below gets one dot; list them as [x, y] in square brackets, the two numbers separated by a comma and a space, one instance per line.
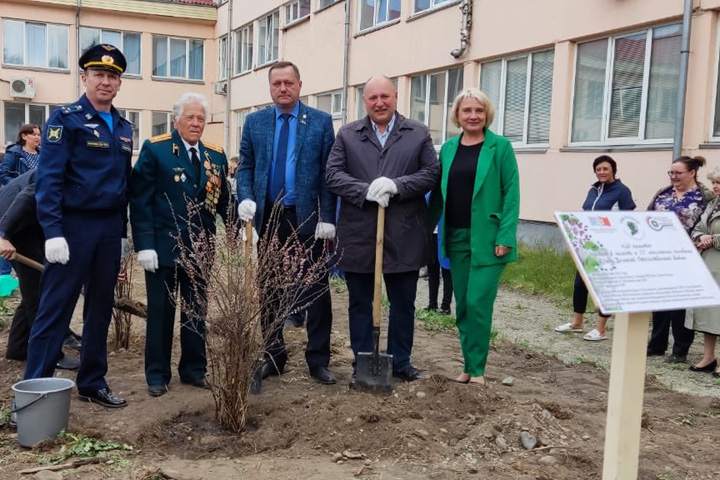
[104, 57]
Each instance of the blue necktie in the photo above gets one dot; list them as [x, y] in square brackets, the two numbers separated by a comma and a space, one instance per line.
[278, 181]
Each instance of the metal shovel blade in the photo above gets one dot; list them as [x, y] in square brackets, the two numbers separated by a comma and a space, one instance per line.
[374, 371]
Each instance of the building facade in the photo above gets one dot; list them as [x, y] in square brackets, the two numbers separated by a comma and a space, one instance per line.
[570, 80]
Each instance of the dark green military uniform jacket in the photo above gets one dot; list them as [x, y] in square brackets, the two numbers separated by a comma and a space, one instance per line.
[164, 186]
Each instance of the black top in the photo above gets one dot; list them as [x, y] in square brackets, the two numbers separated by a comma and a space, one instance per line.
[460, 185]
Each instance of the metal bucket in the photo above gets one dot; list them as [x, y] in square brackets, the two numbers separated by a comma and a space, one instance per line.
[42, 406]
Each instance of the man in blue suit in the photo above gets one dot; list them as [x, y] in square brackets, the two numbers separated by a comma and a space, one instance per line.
[283, 153]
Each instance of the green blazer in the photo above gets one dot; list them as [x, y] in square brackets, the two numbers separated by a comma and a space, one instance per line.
[163, 183]
[495, 200]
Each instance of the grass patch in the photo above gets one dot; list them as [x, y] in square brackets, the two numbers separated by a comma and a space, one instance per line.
[4, 416]
[542, 270]
[435, 321]
[81, 446]
[338, 284]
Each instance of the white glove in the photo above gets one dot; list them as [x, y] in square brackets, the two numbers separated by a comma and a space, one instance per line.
[382, 200]
[57, 250]
[124, 248]
[148, 259]
[254, 239]
[382, 186]
[324, 231]
[246, 210]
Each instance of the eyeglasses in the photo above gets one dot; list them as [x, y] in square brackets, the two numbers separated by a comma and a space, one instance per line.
[676, 174]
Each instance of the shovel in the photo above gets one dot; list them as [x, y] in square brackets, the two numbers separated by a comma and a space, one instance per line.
[374, 369]
[121, 303]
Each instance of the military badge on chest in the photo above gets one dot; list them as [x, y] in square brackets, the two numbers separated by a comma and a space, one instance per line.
[213, 185]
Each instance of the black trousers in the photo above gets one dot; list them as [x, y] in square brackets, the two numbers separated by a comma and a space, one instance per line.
[434, 273]
[580, 296]
[26, 312]
[401, 290]
[661, 323]
[319, 312]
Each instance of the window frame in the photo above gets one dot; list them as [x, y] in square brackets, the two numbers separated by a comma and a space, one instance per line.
[433, 6]
[122, 47]
[245, 31]
[186, 77]
[138, 126]
[607, 93]
[320, 5]
[336, 102]
[261, 62]
[240, 113]
[288, 7]
[47, 44]
[375, 23]
[222, 57]
[48, 107]
[168, 117]
[716, 79]
[499, 120]
[447, 106]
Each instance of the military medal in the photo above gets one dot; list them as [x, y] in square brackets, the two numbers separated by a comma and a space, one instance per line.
[177, 178]
[183, 177]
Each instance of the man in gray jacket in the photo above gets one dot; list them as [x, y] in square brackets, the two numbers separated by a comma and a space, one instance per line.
[388, 160]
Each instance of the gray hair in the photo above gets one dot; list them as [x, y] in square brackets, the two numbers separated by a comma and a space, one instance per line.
[714, 174]
[187, 99]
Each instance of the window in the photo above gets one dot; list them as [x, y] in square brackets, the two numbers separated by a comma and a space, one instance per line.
[178, 58]
[240, 123]
[268, 38]
[161, 123]
[331, 103]
[431, 96]
[35, 44]
[18, 114]
[626, 87]
[377, 12]
[134, 117]
[327, 3]
[243, 49]
[222, 58]
[127, 42]
[361, 112]
[296, 10]
[520, 88]
[422, 5]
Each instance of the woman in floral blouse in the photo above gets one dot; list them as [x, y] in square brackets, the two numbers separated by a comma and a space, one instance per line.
[687, 198]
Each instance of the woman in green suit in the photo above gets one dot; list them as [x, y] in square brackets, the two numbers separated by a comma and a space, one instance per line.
[479, 195]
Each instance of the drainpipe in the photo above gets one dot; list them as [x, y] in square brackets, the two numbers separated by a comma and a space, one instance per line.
[682, 84]
[466, 9]
[77, 48]
[228, 76]
[346, 61]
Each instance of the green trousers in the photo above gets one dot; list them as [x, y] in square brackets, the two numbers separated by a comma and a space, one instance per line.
[475, 291]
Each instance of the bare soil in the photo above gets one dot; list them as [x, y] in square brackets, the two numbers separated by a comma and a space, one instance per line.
[433, 428]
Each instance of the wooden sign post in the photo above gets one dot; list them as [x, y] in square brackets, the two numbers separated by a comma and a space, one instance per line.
[634, 263]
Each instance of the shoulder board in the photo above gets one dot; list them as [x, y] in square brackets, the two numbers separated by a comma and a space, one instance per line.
[213, 147]
[71, 109]
[161, 138]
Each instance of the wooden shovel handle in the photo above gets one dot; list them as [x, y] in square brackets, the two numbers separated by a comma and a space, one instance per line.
[377, 292]
[30, 263]
[248, 243]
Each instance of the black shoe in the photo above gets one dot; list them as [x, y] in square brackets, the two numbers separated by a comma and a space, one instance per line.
[408, 374]
[710, 367]
[675, 358]
[295, 320]
[157, 390]
[655, 353]
[431, 308]
[270, 370]
[67, 363]
[353, 382]
[716, 374]
[322, 375]
[446, 310]
[103, 397]
[197, 382]
[72, 343]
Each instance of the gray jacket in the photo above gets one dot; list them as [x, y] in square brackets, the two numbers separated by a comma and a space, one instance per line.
[408, 158]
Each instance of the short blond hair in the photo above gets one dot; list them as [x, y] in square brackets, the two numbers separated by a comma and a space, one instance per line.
[478, 95]
[714, 174]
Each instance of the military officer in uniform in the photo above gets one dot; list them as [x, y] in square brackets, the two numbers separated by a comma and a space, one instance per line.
[173, 170]
[81, 194]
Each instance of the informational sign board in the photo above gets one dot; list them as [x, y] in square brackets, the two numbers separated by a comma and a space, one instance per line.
[638, 261]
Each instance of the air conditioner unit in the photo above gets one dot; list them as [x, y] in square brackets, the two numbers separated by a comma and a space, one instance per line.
[23, 87]
[221, 88]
